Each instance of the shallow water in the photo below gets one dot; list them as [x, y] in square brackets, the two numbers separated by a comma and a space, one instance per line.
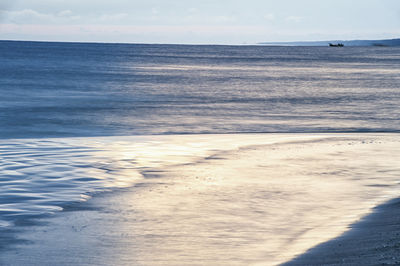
[217, 199]
[40, 176]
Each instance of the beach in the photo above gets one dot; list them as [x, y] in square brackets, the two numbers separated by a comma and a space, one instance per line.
[229, 199]
[375, 240]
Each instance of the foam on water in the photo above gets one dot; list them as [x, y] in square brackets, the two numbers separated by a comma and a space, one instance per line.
[40, 176]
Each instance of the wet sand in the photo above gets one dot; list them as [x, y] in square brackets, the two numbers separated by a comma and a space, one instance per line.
[375, 240]
[264, 202]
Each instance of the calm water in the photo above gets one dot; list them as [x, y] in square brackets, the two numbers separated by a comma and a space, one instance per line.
[70, 89]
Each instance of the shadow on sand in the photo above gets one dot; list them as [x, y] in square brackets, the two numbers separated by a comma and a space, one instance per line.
[375, 240]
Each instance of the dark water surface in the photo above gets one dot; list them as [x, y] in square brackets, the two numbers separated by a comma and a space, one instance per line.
[77, 89]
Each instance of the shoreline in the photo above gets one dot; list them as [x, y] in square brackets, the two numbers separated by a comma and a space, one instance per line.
[238, 200]
[155, 136]
[374, 240]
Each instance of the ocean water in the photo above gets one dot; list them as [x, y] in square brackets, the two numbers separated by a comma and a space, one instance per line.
[77, 89]
[77, 119]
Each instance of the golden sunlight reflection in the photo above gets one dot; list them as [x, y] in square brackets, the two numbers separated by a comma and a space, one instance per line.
[246, 199]
[241, 199]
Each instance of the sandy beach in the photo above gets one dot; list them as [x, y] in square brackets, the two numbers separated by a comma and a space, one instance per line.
[245, 199]
[375, 240]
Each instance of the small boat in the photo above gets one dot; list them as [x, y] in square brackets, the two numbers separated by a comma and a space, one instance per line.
[336, 45]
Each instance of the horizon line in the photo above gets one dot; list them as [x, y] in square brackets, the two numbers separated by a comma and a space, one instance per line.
[263, 43]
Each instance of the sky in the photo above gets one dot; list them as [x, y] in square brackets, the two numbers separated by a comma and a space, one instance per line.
[198, 21]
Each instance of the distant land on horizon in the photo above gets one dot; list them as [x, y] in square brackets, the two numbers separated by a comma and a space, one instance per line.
[388, 42]
[384, 43]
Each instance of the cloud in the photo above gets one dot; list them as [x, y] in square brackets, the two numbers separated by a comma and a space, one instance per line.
[223, 19]
[295, 19]
[125, 29]
[112, 17]
[30, 16]
[155, 11]
[65, 13]
[4, 5]
[27, 16]
[269, 16]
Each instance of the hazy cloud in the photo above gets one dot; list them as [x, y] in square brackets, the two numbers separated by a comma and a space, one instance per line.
[112, 17]
[27, 16]
[250, 20]
[155, 11]
[223, 19]
[269, 16]
[295, 19]
[65, 13]
[192, 10]
[5, 4]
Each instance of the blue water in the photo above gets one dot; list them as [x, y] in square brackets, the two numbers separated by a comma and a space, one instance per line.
[77, 89]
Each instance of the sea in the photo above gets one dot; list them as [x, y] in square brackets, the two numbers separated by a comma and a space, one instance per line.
[78, 119]
[92, 89]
